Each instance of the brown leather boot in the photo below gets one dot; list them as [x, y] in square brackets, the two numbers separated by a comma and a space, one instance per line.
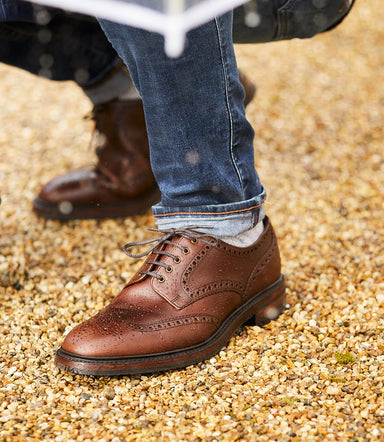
[121, 184]
[190, 296]
[249, 88]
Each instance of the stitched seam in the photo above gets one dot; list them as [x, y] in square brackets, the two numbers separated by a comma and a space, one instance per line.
[282, 18]
[186, 279]
[157, 215]
[226, 285]
[265, 260]
[221, 50]
[178, 322]
[237, 287]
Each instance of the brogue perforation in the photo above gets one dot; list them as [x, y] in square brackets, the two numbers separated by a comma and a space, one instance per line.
[152, 326]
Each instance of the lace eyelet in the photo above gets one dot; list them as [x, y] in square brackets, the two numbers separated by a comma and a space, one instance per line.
[169, 269]
[186, 251]
[194, 240]
[161, 279]
[177, 260]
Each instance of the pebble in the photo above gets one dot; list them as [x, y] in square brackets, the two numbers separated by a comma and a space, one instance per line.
[109, 392]
[318, 118]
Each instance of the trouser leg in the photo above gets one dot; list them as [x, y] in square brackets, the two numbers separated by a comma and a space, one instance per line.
[66, 47]
[201, 144]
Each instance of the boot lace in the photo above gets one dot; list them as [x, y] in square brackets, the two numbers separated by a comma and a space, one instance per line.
[165, 238]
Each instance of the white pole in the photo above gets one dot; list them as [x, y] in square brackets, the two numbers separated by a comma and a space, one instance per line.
[174, 42]
[174, 7]
[175, 35]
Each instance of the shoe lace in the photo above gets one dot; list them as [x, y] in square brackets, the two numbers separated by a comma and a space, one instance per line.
[156, 247]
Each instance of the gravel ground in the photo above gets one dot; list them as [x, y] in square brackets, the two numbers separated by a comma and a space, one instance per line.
[318, 371]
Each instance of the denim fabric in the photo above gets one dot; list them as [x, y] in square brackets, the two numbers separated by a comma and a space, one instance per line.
[201, 144]
[65, 47]
[287, 19]
[16, 10]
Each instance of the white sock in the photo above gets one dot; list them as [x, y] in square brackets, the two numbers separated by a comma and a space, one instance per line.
[247, 238]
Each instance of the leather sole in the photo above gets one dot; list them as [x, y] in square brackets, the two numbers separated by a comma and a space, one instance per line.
[66, 211]
[259, 310]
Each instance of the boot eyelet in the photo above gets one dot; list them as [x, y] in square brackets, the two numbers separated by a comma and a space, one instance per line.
[161, 279]
[186, 251]
[169, 269]
[177, 260]
[194, 240]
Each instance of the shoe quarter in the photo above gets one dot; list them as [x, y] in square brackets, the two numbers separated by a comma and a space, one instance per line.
[211, 269]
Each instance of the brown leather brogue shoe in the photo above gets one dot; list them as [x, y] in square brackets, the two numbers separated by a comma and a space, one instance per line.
[121, 184]
[190, 296]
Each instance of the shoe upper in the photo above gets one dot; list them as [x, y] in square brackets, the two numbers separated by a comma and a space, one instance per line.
[184, 291]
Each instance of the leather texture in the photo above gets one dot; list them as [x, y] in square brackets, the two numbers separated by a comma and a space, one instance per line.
[120, 184]
[182, 307]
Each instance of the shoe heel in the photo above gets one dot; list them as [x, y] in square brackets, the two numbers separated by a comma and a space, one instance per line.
[270, 308]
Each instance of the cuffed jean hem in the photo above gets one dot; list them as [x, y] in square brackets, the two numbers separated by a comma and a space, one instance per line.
[219, 220]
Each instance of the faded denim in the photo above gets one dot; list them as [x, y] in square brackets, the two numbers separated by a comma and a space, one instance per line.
[201, 144]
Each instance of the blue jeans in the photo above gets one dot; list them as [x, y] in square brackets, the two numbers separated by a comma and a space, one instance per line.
[201, 143]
